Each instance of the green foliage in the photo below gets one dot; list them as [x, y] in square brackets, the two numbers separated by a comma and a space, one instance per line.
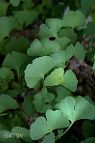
[38, 90]
[6, 102]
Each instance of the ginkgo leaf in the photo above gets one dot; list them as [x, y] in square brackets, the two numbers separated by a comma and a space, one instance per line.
[35, 72]
[39, 128]
[89, 140]
[7, 102]
[74, 19]
[54, 78]
[70, 81]
[6, 25]
[6, 74]
[51, 28]
[50, 138]
[21, 132]
[67, 32]
[77, 108]
[42, 100]
[25, 16]
[15, 60]
[3, 7]
[56, 120]
[54, 25]
[43, 47]
[60, 58]
[15, 2]
[63, 42]
[80, 51]
[44, 31]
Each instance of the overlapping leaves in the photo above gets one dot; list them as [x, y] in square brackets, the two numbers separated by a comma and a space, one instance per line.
[36, 71]
[69, 109]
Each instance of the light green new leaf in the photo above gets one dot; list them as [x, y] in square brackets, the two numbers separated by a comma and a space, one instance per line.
[7, 102]
[79, 51]
[15, 60]
[56, 120]
[6, 74]
[70, 81]
[77, 108]
[50, 138]
[6, 25]
[35, 72]
[74, 19]
[54, 78]
[39, 128]
[21, 133]
[43, 47]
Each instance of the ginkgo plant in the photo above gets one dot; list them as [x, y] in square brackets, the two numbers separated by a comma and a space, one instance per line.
[49, 101]
[48, 71]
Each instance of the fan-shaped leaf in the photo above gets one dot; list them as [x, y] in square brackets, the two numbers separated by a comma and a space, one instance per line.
[35, 72]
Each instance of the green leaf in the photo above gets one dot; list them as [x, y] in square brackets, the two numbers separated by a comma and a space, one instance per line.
[70, 81]
[60, 58]
[4, 135]
[67, 32]
[22, 133]
[76, 108]
[7, 102]
[19, 44]
[54, 78]
[3, 7]
[70, 51]
[39, 128]
[25, 16]
[51, 28]
[15, 2]
[15, 60]
[27, 105]
[47, 96]
[63, 42]
[87, 6]
[74, 19]
[50, 138]
[80, 52]
[6, 25]
[54, 25]
[89, 140]
[88, 129]
[35, 72]
[43, 48]
[56, 120]
[6, 74]
[61, 93]
[42, 100]
[57, 77]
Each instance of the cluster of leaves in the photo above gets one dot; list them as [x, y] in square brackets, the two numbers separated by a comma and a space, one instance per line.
[14, 15]
[37, 88]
